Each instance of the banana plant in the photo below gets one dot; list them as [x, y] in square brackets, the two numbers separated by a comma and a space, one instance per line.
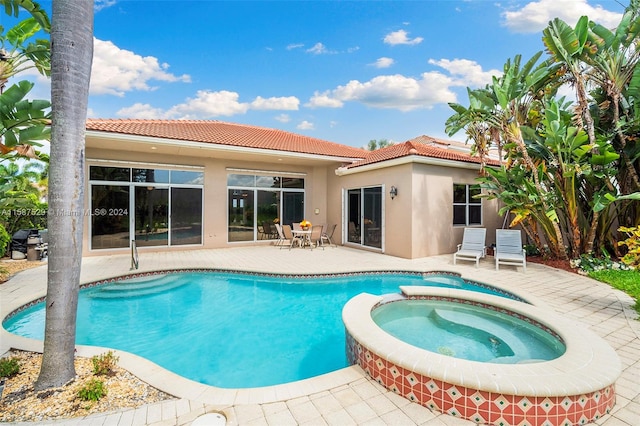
[24, 124]
[19, 50]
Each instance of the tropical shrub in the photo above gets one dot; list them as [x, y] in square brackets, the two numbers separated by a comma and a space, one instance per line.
[92, 391]
[4, 240]
[589, 263]
[9, 367]
[104, 364]
[632, 258]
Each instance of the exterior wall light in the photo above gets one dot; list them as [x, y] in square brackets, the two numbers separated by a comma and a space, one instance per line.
[394, 192]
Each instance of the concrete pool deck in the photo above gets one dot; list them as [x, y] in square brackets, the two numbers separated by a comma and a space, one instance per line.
[347, 396]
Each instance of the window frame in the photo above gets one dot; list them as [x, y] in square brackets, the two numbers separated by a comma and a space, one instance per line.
[469, 203]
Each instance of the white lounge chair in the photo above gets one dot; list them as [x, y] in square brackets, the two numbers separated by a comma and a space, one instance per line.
[509, 250]
[473, 245]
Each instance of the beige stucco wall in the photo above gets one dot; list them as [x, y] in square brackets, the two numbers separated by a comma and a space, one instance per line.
[432, 212]
[419, 221]
[397, 222]
[215, 192]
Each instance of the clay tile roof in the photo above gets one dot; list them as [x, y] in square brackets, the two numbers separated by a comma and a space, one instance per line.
[424, 146]
[223, 133]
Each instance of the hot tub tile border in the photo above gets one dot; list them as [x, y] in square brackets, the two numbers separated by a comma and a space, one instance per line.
[482, 406]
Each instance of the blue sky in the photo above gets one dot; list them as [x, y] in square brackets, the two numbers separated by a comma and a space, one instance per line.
[344, 71]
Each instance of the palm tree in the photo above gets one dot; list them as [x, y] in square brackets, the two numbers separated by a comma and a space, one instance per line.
[71, 59]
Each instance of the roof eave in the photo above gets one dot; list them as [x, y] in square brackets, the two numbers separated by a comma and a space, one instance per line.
[212, 146]
[408, 159]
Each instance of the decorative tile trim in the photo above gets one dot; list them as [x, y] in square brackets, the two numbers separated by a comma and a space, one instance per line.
[480, 406]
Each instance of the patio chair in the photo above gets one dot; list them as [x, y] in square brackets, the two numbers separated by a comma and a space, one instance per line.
[473, 245]
[288, 235]
[316, 236]
[354, 233]
[509, 250]
[269, 230]
[281, 238]
[327, 235]
[296, 226]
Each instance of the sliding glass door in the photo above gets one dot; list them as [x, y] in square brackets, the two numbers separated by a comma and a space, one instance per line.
[257, 202]
[154, 206]
[364, 216]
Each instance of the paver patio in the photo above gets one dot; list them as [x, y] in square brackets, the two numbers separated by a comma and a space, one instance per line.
[346, 397]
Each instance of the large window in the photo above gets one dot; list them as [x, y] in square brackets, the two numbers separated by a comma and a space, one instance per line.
[256, 202]
[154, 206]
[467, 207]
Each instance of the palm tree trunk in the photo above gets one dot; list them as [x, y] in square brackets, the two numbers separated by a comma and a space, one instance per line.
[71, 58]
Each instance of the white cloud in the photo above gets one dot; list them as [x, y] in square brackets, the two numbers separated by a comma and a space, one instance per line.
[468, 73]
[207, 104]
[407, 93]
[383, 62]
[401, 37]
[392, 91]
[323, 100]
[289, 103]
[295, 46]
[116, 71]
[283, 118]
[305, 125]
[103, 4]
[319, 49]
[142, 111]
[210, 104]
[535, 16]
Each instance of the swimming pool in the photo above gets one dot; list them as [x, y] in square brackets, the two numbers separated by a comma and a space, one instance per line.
[230, 330]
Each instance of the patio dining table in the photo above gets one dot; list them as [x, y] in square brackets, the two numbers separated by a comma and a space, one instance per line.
[304, 235]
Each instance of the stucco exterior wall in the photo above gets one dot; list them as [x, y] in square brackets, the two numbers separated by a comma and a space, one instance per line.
[419, 221]
[397, 222]
[432, 210]
[215, 192]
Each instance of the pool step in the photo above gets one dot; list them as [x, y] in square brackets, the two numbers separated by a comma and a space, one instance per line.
[484, 331]
[446, 280]
[141, 286]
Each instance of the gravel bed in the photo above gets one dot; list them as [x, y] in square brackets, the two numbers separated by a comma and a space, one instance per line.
[21, 403]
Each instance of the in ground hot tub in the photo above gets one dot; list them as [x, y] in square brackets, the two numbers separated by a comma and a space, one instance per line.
[570, 381]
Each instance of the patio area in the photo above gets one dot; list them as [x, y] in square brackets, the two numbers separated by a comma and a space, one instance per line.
[348, 396]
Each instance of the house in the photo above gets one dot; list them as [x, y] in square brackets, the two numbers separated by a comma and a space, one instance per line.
[182, 184]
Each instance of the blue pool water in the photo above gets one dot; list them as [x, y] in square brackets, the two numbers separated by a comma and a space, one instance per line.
[227, 329]
[469, 332]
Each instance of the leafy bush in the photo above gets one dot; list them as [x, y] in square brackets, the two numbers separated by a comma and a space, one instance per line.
[590, 263]
[632, 258]
[4, 240]
[92, 391]
[9, 367]
[104, 364]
